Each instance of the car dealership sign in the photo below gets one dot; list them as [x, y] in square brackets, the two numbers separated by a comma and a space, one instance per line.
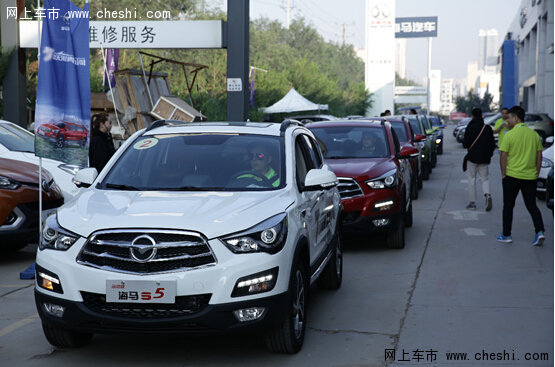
[416, 27]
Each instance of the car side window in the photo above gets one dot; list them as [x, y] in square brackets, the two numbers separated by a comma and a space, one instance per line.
[395, 141]
[303, 161]
[313, 150]
[530, 117]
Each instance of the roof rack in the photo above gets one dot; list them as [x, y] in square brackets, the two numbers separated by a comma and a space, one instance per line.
[288, 122]
[159, 123]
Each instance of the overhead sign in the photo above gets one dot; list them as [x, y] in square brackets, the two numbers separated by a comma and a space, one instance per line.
[415, 27]
[410, 90]
[140, 34]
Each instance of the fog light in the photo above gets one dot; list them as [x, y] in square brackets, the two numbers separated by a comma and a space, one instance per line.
[54, 310]
[249, 314]
[438, 141]
[422, 155]
[383, 205]
[380, 222]
[256, 283]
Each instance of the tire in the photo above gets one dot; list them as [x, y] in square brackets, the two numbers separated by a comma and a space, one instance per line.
[63, 338]
[60, 141]
[14, 246]
[414, 189]
[426, 171]
[288, 337]
[408, 216]
[395, 239]
[333, 273]
[434, 160]
[419, 181]
[440, 148]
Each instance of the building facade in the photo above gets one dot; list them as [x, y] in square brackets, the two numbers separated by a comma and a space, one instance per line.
[532, 31]
[446, 103]
[488, 48]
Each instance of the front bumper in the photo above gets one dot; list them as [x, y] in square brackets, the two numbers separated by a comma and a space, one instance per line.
[196, 316]
[360, 212]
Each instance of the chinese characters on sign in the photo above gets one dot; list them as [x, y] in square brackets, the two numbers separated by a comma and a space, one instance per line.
[122, 33]
[415, 355]
[416, 27]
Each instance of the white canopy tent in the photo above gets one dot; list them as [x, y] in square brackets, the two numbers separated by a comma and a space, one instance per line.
[294, 102]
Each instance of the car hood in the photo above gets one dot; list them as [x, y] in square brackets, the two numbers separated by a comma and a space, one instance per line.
[211, 213]
[360, 168]
[22, 172]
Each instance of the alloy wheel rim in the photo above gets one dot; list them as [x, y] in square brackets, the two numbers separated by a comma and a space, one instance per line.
[298, 305]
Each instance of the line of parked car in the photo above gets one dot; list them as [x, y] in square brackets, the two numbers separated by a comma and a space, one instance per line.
[220, 227]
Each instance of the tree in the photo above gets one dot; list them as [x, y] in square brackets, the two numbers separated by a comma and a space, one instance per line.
[402, 82]
[472, 100]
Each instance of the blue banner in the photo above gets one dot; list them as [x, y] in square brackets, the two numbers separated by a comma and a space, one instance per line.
[63, 108]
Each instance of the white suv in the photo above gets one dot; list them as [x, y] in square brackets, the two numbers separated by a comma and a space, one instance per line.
[192, 228]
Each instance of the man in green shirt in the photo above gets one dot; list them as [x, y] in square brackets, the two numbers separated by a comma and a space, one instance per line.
[501, 125]
[261, 172]
[520, 160]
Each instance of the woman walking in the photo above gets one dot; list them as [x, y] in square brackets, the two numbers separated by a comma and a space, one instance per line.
[479, 141]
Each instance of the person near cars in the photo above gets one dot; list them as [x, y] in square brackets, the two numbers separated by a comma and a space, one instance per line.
[371, 144]
[501, 125]
[102, 144]
[479, 141]
[520, 161]
[387, 113]
[260, 158]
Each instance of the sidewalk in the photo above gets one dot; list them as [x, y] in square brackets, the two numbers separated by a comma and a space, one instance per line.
[472, 294]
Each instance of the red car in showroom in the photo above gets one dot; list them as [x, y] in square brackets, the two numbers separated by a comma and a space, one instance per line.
[64, 132]
[374, 176]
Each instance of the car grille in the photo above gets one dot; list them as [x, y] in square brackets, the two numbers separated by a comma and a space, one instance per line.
[183, 306]
[169, 251]
[348, 188]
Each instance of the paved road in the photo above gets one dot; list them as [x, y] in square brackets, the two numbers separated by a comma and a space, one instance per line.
[452, 289]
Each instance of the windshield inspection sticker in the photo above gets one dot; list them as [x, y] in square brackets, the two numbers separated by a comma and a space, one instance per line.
[145, 143]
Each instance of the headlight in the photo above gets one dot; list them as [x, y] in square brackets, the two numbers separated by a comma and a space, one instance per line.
[421, 144]
[546, 163]
[55, 237]
[8, 183]
[268, 236]
[387, 180]
[69, 168]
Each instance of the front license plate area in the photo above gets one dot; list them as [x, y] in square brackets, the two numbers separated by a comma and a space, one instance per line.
[140, 291]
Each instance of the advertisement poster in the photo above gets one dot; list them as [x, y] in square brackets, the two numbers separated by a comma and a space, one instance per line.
[63, 108]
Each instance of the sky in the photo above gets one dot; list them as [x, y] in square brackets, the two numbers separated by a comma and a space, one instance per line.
[459, 22]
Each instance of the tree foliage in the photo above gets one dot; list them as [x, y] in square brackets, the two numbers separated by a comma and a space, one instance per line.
[402, 82]
[472, 100]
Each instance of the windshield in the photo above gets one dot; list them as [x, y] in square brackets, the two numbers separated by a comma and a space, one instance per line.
[400, 130]
[416, 127]
[199, 162]
[16, 138]
[435, 121]
[352, 142]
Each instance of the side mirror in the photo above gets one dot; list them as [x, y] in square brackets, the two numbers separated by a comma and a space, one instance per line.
[85, 177]
[408, 152]
[320, 179]
[549, 140]
[419, 137]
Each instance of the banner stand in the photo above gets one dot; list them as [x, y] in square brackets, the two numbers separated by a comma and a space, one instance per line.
[110, 85]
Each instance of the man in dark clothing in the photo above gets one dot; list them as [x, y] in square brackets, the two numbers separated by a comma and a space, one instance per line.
[479, 141]
[102, 145]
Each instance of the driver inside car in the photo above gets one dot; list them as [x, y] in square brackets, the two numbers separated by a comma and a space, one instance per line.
[259, 158]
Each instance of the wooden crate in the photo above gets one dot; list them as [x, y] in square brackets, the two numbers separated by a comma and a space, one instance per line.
[174, 108]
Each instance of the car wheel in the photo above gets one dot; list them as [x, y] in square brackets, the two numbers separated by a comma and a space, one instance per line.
[64, 338]
[426, 171]
[288, 337]
[414, 189]
[440, 148]
[333, 273]
[396, 237]
[14, 246]
[434, 160]
[60, 141]
[420, 183]
[408, 216]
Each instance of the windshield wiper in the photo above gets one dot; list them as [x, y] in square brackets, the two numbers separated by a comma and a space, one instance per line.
[121, 187]
[191, 188]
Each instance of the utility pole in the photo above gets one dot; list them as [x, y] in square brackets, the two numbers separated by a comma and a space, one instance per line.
[287, 13]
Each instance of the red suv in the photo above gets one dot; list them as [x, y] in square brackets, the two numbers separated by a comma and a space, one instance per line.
[60, 132]
[374, 176]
